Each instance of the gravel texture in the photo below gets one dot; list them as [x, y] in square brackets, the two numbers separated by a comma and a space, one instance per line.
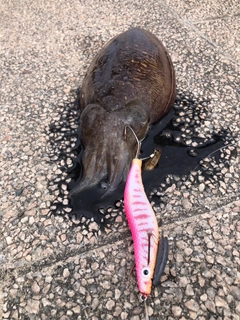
[52, 269]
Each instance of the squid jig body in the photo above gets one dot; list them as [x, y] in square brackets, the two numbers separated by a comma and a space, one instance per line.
[150, 252]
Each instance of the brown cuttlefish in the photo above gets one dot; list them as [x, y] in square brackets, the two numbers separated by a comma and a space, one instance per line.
[130, 83]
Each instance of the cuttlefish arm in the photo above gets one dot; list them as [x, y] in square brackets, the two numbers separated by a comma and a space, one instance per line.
[108, 147]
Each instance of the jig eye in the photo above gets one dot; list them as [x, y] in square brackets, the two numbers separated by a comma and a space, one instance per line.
[145, 272]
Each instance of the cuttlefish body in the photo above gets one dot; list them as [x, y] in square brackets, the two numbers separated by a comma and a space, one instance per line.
[130, 82]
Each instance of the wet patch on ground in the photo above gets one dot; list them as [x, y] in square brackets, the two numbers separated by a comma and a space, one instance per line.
[193, 152]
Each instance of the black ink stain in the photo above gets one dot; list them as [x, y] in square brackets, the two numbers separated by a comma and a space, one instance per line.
[178, 135]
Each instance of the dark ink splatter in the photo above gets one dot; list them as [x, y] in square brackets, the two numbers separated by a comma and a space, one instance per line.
[179, 136]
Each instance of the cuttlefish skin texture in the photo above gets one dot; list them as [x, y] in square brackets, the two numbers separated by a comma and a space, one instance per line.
[130, 82]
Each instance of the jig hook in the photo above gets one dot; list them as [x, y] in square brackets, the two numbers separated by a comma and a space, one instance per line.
[143, 298]
[135, 136]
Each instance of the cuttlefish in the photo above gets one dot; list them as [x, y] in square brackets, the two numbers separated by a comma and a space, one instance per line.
[129, 83]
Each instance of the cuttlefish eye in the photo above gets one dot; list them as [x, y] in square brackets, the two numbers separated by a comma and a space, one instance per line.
[137, 115]
[143, 123]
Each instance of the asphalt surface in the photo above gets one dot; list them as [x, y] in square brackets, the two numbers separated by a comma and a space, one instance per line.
[52, 270]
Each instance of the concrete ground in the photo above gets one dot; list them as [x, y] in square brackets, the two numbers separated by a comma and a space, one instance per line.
[50, 270]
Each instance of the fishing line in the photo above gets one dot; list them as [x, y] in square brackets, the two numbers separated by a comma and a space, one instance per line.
[138, 142]
[143, 298]
[146, 310]
[224, 147]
